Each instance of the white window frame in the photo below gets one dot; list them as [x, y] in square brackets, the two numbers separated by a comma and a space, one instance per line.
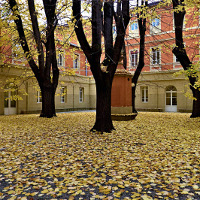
[76, 57]
[60, 59]
[144, 98]
[157, 61]
[157, 28]
[81, 94]
[39, 97]
[171, 97]
[134, 33]
[63, 92]
[135, 62]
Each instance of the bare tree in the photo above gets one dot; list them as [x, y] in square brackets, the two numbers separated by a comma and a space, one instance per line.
[103, 77]
[46, 71]
[181, 54]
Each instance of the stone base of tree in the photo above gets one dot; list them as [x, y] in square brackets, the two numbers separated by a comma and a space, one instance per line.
[123, 117]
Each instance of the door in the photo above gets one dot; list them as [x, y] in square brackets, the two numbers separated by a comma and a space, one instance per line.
[171, 99]
[9, 102]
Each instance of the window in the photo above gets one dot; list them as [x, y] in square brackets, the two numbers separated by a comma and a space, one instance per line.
[39, 96]
[16, 51]
[76, 61]
[133, 29]
[60, 59]
[155, 58]
[144, 90]
[81, 95]
[114, 31]
[134, 58]
[155, 22]
[134, 26]
[86, 66]
[171, 96]
[155, 26]
[176, 59]
[63, 92]
[9, 98]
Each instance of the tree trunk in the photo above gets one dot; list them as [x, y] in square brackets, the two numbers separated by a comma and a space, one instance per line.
[142, 26]
[133, 99]
[48, 102]
[196, 103]
[181, 54]
[103, 107]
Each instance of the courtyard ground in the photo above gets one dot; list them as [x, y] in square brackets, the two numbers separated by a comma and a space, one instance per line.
[155, 156]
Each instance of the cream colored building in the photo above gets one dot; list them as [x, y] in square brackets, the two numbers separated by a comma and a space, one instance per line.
[74, 92]
[162, 91]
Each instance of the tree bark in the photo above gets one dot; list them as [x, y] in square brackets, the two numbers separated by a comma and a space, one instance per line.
[196, 103]
[42, 71]
[180, 53]
[103, 107]
[142, 30]
[48, 101]
[103, 21]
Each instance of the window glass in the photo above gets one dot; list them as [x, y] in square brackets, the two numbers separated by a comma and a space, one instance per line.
[81, 94]
[39, 96]
[155, 22]
[134, 26]
[174, 101]
[6, 99]
[171, 95]
[76, 61]
[13, 102]
[155, 56]
[134, 58]
[60, 59]
[63, 95]
[144, 91]
[168, 101]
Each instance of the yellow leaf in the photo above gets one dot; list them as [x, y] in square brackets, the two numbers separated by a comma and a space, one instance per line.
[117, 194]
[11, 192]
[71, 198]
[195, 187]
[44, 191]
[145, 197]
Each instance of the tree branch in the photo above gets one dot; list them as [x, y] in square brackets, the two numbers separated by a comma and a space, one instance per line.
[37, 35]
[79, 29]
[24, 44]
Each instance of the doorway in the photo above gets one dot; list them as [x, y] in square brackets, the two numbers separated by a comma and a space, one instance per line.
[171, 99]
[9, 101]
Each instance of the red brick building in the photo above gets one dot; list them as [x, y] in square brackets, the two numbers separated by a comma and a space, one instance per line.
[157, 88]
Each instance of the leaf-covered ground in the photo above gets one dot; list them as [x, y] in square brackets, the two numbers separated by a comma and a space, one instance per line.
[155, 156]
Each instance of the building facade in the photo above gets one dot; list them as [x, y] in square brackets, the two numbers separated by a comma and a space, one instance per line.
[158, 89]
[20, 93]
